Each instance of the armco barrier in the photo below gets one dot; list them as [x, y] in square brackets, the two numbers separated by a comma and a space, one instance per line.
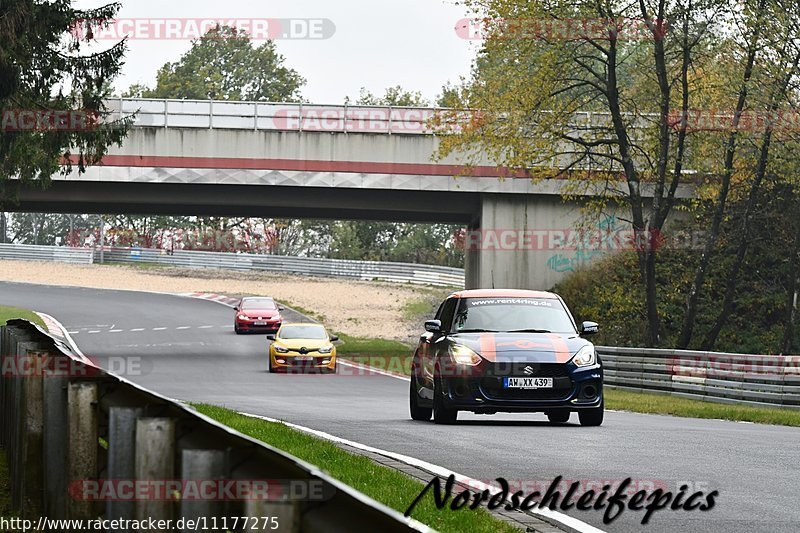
[62, 254]
[308, 266]
[68, 428]
[758, 380]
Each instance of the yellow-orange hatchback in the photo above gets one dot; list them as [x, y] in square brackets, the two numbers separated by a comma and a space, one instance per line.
[302, 346]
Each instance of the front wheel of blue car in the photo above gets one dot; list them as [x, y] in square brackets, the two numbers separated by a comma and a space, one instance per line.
[592, 417]
[441, 413]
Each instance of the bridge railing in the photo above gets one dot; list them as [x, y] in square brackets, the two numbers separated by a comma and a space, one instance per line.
[79, 439]
[299, 117]
[273, 116]
[744, 379]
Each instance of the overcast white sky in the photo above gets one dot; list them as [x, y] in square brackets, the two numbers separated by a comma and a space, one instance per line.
[377, 43]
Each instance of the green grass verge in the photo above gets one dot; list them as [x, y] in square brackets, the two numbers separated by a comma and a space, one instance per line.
[393, 356]
[10, 313]
[642, 402]
[390, 487]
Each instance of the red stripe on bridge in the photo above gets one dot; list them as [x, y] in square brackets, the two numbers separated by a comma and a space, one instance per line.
[361, 167]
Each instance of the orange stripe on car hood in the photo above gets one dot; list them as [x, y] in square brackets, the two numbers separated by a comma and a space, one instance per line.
[560, 348]
[488, 347]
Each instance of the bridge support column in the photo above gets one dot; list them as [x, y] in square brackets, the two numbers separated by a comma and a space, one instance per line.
[510, 246]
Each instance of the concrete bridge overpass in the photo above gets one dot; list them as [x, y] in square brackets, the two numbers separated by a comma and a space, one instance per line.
[310, 161]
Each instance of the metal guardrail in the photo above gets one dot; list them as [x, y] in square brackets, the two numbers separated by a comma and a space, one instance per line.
[744, 379]
[61, 254]
[68, 427]
[299, 117]
[307, 266]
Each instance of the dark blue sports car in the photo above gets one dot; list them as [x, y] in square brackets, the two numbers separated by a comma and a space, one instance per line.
[493, 350]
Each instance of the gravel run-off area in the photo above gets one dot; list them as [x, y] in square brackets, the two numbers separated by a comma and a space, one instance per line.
[358, 308]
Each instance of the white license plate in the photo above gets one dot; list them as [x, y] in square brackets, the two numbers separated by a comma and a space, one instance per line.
[303, 358]
[528, 383]
[259, 323]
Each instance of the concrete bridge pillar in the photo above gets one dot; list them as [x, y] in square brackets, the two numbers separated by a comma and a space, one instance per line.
[517, 242]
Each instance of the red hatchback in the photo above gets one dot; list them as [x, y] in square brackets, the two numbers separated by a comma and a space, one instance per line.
[257, 313]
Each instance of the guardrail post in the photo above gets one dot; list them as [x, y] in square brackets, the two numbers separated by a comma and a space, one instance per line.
[121, 454]
[196, 466]
[17, 418]
[55, 442]
[285, 513]
[82, 443]
[32, 471]
[155, 461]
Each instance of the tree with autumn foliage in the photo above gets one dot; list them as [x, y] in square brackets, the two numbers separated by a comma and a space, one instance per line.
[606, 93]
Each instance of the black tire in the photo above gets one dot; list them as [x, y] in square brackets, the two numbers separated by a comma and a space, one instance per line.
[441, 413]
[237, 330]
[592, 417]
[272, 370]
[417, 411]
[558, 417]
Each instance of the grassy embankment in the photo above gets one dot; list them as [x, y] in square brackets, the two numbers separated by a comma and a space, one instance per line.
[390, 487]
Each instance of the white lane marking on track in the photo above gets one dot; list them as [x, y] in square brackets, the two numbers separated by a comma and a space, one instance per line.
[183, 327]
[115, 331]
[204, 327]
[368, 368]
[67, 337]
[137, 329]
[73, 332]
[159, 329]
[94, 331]
[574, 523]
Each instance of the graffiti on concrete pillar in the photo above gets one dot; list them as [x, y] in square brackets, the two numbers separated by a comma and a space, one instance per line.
[592, 245]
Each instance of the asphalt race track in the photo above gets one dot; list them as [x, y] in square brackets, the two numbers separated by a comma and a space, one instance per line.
[185, 348]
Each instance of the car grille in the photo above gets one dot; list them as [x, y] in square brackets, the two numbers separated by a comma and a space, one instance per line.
[540, 370]
[492, 382]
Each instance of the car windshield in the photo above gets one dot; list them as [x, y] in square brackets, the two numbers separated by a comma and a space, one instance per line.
[258, 303]
[542, 315]
[303, 332]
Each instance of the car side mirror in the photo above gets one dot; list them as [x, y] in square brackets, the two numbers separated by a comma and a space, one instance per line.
[281, 308]
[589, 328]
[235, 307]
[334, 338]
[433, 326]
[271, 337]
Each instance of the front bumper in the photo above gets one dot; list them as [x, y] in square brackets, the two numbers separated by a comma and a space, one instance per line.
[483, 392]
[249, 325]
[290, 362]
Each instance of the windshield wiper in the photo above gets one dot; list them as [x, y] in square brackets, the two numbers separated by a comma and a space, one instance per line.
[529, 331]
[477, 330]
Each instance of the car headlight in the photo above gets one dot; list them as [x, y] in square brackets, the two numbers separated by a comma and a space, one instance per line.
[279, 348]
[326, 349]
[464, 355]
[585, 357]
[242, 317]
